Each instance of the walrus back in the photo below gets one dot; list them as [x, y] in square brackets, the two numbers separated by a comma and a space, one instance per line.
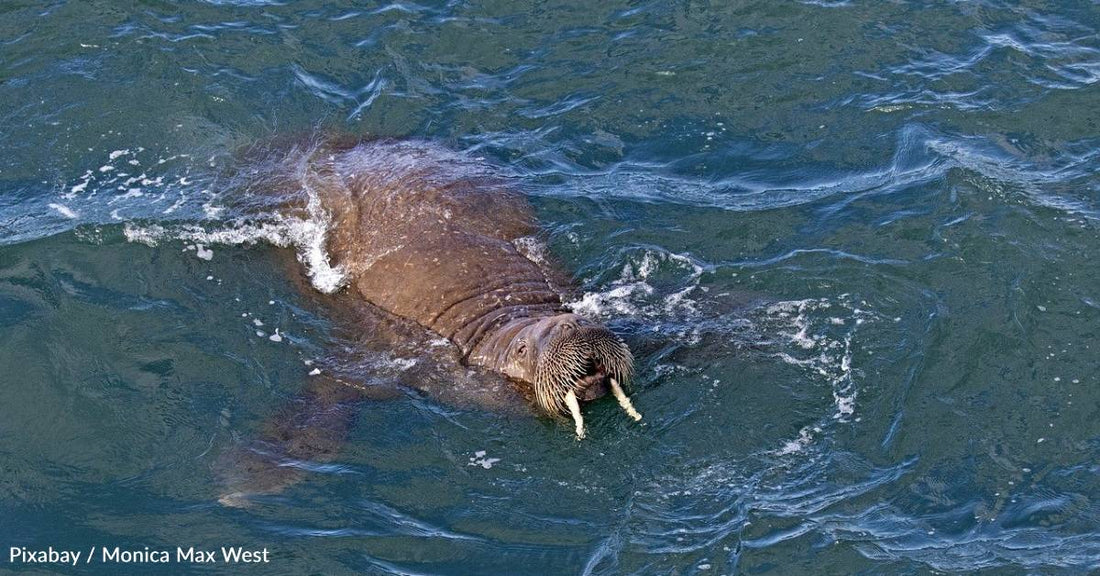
[429, 234]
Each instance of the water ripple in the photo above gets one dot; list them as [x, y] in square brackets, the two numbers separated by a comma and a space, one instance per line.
[717, 503]
[1046, 52]
[921, 155]
[380, 520]
[886, 534]
[360, 98]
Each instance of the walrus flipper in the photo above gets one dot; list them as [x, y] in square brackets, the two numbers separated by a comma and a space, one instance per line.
[309, 430]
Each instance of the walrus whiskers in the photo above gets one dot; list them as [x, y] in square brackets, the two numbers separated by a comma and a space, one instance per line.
[578, 358]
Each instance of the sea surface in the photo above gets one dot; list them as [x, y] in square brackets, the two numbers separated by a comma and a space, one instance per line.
[854, 245]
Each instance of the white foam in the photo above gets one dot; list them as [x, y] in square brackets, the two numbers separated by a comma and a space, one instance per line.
[532, 248]
[615, 300]
[211, 211]
[147, 235]
[817, 349]
[480, 458]
[403, 364]
[182, 199]
[203, 252]
[680, 300]
[632, 294]
[845, 405]
[310, 236]
[805, 437]
[64, 210]
[305, 235]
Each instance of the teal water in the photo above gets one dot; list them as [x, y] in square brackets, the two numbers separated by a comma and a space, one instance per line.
[853, 245]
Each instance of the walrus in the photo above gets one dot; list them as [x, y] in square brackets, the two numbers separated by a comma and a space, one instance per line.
[433, 236]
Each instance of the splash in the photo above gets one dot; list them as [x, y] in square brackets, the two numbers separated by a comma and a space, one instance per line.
[305, 235]
[532, 248]
[816, 336]
[633, 293]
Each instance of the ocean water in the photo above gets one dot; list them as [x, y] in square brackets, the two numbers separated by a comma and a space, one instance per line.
[853, 245]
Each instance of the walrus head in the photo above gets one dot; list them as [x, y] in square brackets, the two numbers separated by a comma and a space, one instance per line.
[565, 360]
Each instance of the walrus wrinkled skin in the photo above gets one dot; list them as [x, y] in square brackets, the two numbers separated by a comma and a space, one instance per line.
[433, 236]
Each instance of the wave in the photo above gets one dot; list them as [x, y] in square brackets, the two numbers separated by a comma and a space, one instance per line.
[1051, 53]
[921, 155]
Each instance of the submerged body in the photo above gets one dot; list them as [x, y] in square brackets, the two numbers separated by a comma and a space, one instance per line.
[431, 236]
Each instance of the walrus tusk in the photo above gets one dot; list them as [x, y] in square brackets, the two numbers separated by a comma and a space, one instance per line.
[627, 406]
[575, 410]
